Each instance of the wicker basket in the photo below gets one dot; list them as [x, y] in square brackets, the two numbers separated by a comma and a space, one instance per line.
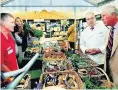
[77, 78]
[106, 81]
[108, 84]
[98, 72]
[26, 84]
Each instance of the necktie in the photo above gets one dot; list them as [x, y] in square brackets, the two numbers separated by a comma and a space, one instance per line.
[92, 28]
[110, 43]
[109, 50]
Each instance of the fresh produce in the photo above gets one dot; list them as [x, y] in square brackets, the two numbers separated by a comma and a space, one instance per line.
[92, 72]
[93, 83]
[31, 51]
[70, 82]
[50, 67]
[60, 65]
[79, 61]
[63, 45]
[68, 53]
[67, 81]
[35, 42]
[24, 83]
[6, 81]
[50, 80]
[38, 33]
[94, 79]
[54, 54]
[82, 72]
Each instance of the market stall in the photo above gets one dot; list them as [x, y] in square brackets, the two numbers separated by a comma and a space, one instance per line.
[48, 52]
[66, 68]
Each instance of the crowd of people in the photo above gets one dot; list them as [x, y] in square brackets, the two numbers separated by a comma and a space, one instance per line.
[97, 41]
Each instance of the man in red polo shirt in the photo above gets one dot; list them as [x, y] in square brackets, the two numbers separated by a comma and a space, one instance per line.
[8, 53]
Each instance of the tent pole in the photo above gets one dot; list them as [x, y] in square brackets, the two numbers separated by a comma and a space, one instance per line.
[26, 14]
[75, 24]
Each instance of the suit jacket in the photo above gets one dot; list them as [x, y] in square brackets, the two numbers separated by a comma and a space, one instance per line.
[114, 56]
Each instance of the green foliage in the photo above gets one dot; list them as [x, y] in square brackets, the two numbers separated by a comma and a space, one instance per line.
[38, 33]
[68, 53]
[27, 26]
[93, 83]
[78, 61]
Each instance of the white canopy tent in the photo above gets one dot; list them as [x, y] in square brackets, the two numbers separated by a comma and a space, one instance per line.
[46, 3]
[78, 8]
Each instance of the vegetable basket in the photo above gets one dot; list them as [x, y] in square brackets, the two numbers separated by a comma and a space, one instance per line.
[64, 79]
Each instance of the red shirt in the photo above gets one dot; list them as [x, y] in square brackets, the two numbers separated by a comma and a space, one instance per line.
[8, 53]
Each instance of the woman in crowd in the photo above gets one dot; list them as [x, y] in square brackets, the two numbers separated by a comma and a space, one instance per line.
[18, 35]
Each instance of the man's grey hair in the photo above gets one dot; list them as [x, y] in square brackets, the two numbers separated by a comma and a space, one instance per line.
[112, 9]
[88, 13]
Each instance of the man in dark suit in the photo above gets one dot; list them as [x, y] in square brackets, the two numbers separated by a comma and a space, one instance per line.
[110, 18]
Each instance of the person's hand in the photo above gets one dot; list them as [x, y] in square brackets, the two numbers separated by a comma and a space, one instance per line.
[96, 51]
[93, 51]
[16, 32]
[89, 51]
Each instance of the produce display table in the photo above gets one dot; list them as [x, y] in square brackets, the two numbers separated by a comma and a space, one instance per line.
[85, 69]
[67, 69]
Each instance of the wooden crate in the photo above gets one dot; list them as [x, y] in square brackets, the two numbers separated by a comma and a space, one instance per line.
[67, 65]
[50, 56]
[77, 78]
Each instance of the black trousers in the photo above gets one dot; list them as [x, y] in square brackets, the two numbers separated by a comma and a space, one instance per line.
[108, 71]
[72, 45]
